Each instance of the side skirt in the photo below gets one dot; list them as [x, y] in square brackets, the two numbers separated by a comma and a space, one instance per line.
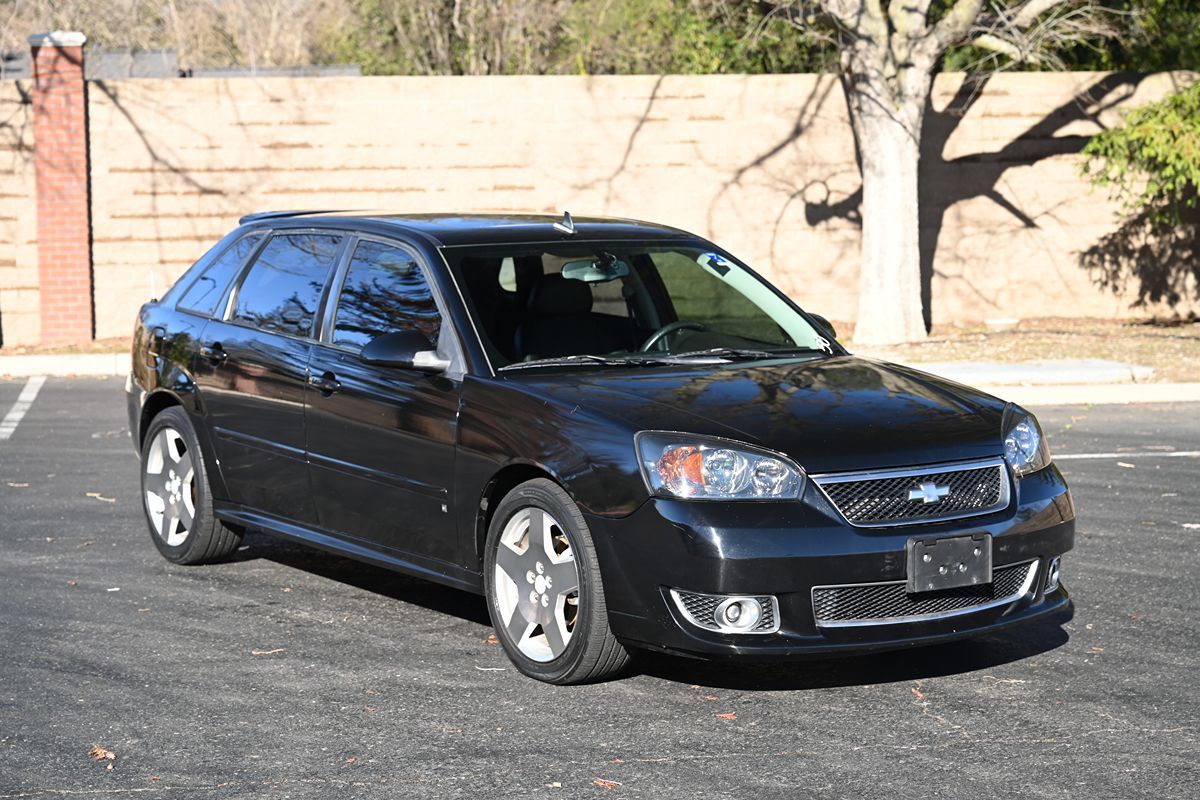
[447, 574]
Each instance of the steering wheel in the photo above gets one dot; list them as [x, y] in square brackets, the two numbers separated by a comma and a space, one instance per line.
[668, 329]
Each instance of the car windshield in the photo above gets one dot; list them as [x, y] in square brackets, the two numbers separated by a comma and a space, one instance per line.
[624, 303]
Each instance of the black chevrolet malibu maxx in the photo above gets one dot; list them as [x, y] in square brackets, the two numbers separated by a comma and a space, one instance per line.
[616, 431]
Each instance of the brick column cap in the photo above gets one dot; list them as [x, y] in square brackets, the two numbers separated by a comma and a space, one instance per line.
[57, 39]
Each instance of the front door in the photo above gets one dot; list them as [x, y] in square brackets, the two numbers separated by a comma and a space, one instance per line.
[381, 440]
[253, 372]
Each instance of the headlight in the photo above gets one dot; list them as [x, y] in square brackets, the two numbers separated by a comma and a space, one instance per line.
[705, 468]
[1025, 446]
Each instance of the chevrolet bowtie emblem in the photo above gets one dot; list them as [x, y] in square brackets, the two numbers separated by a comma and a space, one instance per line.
[928, 492]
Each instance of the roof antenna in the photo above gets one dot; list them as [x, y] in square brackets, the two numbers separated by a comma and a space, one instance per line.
[566, 225]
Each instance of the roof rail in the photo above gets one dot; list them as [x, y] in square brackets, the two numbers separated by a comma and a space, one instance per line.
[278, 214]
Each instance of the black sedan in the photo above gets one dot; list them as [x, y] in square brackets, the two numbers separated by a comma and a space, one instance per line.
[617, 432]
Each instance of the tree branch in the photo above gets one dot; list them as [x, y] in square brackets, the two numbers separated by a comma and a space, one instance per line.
[1027, 14]
[988, 41]
[954, 26]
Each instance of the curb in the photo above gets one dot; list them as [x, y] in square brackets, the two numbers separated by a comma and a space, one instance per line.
[1043, 372]
[65, 365]
[1097, 394]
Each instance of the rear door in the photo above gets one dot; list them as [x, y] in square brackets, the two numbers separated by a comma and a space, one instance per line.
[381, 439]
[253, 371]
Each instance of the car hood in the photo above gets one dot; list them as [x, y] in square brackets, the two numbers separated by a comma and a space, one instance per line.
[829, 414]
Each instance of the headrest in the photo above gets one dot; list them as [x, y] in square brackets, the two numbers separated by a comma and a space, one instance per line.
[555, 296]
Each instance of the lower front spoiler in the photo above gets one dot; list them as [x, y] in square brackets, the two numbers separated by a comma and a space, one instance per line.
[1056, 607]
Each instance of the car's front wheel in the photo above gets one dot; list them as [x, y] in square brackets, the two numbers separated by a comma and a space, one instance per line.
[544, 590]
[176, 495]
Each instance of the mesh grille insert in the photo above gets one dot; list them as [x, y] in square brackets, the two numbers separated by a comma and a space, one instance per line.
[885, 500]
[699, 608]
[891, 601]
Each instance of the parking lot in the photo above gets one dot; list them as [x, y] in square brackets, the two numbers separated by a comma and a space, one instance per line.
[287, 672]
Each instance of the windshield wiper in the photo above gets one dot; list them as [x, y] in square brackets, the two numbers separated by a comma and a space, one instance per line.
[730, 353]
[585, 358]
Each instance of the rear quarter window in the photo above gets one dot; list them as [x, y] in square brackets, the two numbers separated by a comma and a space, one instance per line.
[209, 287]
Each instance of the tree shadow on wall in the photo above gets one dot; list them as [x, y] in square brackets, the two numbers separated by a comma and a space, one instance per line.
[945, 182]
[1161, 260]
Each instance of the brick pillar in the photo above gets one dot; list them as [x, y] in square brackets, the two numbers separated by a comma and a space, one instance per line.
[64, 224]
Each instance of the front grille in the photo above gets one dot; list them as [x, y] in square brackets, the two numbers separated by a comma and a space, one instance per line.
[868, 603]
[882, 498]
[698, 609]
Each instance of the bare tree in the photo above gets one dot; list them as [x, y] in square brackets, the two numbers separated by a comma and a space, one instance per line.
[204, 33]
[890, 52]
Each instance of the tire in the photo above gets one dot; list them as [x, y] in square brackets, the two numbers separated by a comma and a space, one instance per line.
[566, 642]
[176, 496]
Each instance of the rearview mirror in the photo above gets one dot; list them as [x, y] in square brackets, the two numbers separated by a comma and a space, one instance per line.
[824, 323]
[601, 270]
[406, 349]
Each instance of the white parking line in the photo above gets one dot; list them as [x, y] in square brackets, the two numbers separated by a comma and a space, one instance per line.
[1171, 454]
[24, 401]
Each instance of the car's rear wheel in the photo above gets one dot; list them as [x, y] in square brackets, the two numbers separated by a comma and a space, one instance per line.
[176, 495]
[544, 590]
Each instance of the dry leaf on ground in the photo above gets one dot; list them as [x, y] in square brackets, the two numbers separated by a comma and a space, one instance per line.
[605, 784]
[727, 715]
[100, 753]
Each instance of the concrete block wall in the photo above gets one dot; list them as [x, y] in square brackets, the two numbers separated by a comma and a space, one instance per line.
[762, 164]
[20, 298]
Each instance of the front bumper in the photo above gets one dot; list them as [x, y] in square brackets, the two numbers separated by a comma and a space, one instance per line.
[785, 549]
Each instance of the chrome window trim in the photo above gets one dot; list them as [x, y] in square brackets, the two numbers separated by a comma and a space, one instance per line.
[911, 472]
[1026, 590]
[687, 615]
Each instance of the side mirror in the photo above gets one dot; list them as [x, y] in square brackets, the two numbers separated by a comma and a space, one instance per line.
[407, 349]
[824, 323]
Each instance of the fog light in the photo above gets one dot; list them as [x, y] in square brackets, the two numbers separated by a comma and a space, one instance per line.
[728, 613]
[1053, 569]
[738, 614]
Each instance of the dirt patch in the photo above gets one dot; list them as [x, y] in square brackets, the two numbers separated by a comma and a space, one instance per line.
[117, 345]
[1172, 348]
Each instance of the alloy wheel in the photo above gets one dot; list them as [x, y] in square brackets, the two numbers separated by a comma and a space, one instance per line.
[170, 486]
[536, 584]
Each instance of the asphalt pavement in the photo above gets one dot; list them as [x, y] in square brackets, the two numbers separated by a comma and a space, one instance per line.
[287, 672]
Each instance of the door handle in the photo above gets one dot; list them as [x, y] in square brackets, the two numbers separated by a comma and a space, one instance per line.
[326, 382]
[214, 353]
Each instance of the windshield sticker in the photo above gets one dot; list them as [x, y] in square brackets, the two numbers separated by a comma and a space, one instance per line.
[716, 262]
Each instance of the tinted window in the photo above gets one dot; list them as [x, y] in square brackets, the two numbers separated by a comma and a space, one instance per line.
[385, 291]
[700, 294]
[204, 294]
[282, 290]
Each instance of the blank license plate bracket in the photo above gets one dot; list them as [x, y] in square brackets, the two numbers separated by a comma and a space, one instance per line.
[949, 563]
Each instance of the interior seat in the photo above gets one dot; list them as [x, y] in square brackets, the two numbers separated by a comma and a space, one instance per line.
[559, 322]
[495, 311]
